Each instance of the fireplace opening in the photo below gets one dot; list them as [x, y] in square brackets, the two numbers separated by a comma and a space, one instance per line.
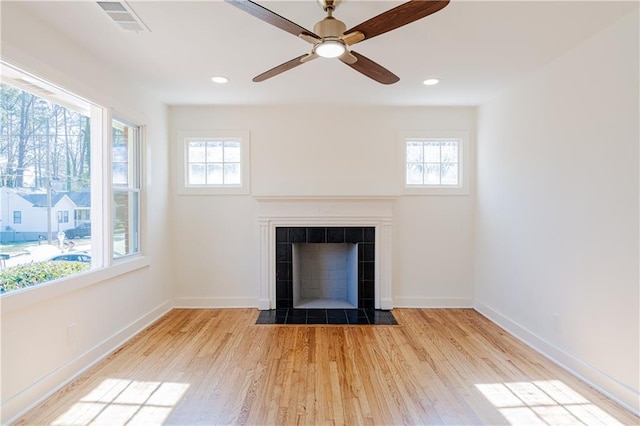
[359, 242]
[325, 276]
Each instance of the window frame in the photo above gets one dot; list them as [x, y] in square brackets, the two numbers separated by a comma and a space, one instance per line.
[103, 266]
[464, 162]
[17, 216]
[183, 138]
[63, 216]
[135, 159]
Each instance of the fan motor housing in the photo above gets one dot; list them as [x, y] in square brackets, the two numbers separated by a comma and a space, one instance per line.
[329, 27]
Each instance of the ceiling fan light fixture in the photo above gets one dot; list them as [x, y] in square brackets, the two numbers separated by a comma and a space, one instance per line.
[330, 49]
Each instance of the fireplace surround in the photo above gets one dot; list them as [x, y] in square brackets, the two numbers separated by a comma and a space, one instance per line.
[288, 237]
[366, 222]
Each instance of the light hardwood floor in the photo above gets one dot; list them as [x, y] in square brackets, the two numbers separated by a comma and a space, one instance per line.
[215, 366]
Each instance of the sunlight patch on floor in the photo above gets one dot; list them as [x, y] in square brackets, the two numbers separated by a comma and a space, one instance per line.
[117, 401]
[544, 402]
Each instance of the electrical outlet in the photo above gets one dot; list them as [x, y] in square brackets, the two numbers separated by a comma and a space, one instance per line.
[557, 324]
[72, 332]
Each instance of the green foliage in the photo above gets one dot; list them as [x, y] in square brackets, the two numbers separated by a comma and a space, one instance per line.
[29, 274]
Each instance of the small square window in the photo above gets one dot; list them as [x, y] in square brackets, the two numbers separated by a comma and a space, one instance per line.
[433, 162]
[214, 162]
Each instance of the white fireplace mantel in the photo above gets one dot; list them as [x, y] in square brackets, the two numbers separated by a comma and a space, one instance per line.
[325, 211]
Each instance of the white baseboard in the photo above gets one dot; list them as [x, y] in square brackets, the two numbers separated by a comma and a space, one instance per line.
[386, 303]
[432, 302]
[609, 386]
[215, 302]
[37, 392]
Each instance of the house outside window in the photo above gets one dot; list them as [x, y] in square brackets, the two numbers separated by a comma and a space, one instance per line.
[213, 162]
[17, 217]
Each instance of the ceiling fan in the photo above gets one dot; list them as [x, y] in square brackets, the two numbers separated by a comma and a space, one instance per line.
[331, 39]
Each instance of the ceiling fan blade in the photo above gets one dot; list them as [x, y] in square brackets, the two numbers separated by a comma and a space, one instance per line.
[372, 70]
[269, 17]
[284, 67]
[397, 17]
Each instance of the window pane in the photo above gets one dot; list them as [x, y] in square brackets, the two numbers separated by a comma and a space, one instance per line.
[196, 174]
[46, 185]
[122, 136]
[214, 174]
[125, 226]
[449, 174]
[196, 152]
[125, 203]
[120, 173]
[214, 152]
[232, 174]
[414, 152]
[450, 152]
[432, 152]
[232, 152]
[432, 174]
[414, 173]
[120, 153]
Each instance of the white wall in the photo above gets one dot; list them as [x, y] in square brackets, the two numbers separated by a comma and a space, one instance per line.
[107, 308]
[557, 210]
[322, 151]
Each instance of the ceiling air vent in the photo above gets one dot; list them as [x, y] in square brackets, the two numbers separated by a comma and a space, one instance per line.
[123, 15]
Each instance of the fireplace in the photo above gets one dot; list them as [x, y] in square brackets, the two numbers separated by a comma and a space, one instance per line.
[297, 225]
[325, 267]
[324, 276]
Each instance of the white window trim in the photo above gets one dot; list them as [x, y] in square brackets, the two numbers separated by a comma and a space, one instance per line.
[182, 139]
[104, 267]
[139, 157]
[464, 163]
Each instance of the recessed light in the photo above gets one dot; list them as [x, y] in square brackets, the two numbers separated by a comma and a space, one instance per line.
[219, 79]
[431, 82]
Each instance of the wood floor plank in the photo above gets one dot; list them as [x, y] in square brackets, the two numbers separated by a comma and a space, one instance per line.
[216, 366]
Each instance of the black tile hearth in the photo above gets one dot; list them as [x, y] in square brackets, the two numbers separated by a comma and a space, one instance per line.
[327, 317]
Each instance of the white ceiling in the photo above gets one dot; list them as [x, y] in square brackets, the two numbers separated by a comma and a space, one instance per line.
[476, 48]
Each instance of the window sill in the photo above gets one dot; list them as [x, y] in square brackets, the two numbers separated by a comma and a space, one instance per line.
[214, 190]
[26, 297]
[435, 190]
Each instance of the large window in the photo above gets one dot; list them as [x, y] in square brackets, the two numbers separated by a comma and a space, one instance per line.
[213, 162]
[433, 162]
[61, 156]
[126, 188]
